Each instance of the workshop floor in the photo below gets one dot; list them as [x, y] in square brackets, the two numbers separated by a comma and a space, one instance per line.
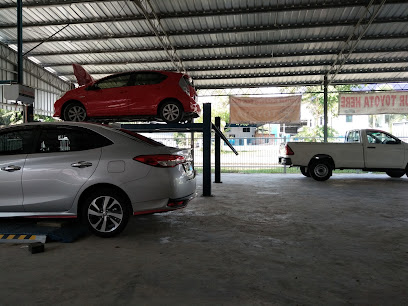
[261, 239]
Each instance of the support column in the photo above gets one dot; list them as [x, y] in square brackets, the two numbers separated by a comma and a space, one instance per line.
[217, 156]
[325, 109]
[207, 150]
[20, 42]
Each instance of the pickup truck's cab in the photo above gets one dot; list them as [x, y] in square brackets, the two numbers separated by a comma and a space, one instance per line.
[369, 150]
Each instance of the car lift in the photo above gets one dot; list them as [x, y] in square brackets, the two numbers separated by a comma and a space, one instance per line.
[204, 128]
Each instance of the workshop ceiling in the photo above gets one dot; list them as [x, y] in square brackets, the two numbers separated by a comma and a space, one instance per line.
[220, 44]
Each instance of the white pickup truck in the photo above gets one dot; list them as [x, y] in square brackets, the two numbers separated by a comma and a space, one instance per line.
[369, 150]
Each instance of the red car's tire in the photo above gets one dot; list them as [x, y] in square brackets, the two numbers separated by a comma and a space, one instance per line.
[171, 111]
[75, 112]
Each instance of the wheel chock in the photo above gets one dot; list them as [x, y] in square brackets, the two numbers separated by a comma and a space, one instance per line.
[36, 247]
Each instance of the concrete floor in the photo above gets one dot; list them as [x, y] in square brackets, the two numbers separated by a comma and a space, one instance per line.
[262, 239]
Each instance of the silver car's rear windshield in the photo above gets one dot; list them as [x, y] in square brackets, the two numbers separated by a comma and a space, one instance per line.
[139, 137]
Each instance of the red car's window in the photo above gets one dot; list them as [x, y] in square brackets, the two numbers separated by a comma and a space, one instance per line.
[142, 138]
[147, 78]
[188, 80]
[114, 81]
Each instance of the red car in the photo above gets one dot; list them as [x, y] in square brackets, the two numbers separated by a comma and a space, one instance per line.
[145, 95]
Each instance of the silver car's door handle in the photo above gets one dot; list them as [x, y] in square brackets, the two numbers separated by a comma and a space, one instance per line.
[11, 168]
[81, 164]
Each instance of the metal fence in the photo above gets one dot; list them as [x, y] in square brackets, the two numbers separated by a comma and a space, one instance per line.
[256, 155]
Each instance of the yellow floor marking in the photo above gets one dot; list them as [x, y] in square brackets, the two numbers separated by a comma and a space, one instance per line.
[22, 236]
[10, 237]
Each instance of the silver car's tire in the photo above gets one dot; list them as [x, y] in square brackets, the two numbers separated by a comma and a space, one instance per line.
[171, 112]
[106, 213]
[75, 112]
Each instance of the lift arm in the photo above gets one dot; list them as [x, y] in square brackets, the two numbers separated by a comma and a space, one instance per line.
[219, 133]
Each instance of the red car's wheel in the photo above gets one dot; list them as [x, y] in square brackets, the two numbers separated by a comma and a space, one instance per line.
[171, 112]
[75, 112]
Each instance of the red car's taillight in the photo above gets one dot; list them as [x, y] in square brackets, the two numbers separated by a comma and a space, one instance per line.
[161, 160]
[289, 151]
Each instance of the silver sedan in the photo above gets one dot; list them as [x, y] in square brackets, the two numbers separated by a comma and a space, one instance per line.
[97, 173]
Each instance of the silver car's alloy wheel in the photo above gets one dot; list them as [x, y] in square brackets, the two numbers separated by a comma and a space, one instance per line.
[105, 214]
[75, 113]
[171, 112]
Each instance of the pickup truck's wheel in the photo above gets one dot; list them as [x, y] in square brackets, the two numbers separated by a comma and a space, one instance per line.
[320, 170]
[305, 171]
[395, 173]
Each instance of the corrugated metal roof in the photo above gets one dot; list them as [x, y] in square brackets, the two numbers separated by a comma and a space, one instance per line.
[221, 44]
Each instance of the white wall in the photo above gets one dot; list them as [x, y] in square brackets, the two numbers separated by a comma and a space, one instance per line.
[48, 87]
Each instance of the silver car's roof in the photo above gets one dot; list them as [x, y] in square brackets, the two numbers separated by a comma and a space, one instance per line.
[111, 132]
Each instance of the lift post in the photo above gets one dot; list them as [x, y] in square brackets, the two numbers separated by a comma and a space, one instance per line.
[207, 149]
[204, 128]
[217, 155]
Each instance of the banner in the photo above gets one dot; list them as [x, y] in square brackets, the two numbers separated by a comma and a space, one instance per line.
[390, 102]
[265, 110]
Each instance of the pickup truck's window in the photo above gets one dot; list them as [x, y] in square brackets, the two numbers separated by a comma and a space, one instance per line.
[353, 136]
[381, 137]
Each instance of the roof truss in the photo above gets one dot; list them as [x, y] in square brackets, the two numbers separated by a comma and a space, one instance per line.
[219, 43]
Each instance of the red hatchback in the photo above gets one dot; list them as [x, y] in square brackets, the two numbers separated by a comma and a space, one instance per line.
[137, 95]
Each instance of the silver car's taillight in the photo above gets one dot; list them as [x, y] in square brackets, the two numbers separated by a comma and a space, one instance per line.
[161, 160]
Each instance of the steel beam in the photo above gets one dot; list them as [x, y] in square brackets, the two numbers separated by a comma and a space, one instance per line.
[20, 41]
[158, 127]
[232, 30]
[358, 33]
[191, 60]
[279, 7]
[237, 44]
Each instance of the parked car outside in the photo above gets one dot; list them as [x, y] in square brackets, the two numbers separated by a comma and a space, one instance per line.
[97, 173]
[137, 95]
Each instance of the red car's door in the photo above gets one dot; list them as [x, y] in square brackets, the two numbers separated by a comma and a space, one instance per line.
[146, 92]
[109, 96]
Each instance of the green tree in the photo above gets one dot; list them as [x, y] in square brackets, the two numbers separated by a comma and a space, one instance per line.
[219, 108]
[44, 118]
[313, 98]
[16, 117]
[180, 138]
[10, 117]
[315, 134]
